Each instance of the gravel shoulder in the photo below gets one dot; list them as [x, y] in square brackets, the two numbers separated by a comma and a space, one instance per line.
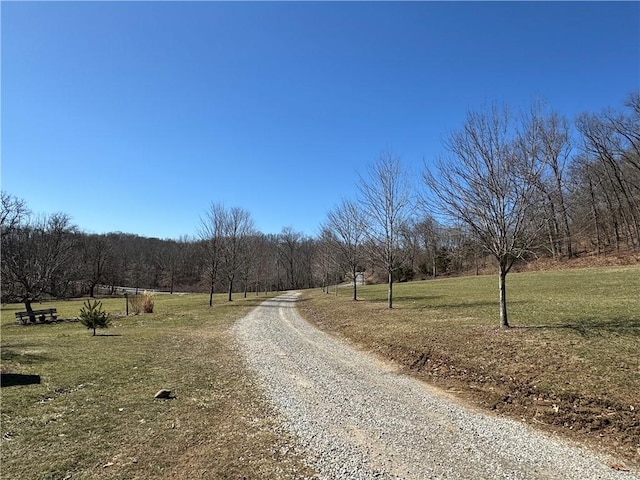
[357, 417]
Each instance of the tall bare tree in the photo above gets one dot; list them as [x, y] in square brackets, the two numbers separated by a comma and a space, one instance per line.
[211, 234]
[485, 182]
[611, 142]
[387, 203]
[238, 226]
[345, 230]
[544, 136]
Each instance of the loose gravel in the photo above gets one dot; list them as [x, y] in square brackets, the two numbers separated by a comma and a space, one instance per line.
[357, 417]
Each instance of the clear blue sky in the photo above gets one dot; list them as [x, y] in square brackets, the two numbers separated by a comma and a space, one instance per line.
[135, 117]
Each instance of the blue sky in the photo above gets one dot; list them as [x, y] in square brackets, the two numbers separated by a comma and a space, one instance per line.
[136, 116]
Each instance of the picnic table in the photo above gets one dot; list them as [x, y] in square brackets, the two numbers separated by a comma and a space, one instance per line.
[44, 315]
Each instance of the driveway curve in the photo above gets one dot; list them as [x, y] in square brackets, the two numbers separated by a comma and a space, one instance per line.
[356, 417]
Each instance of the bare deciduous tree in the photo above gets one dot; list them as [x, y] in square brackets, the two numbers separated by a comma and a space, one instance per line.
[289, 243]
[35, 255]
[211, 233]
[326, 261]
[387, 204]
[484, 182]
[96, 252]
[611, 144]
[237, 228]
[428, 231]
[346, 227]
[545, 137]
[13, 211]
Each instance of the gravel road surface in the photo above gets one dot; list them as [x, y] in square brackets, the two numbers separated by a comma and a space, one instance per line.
[356, 417]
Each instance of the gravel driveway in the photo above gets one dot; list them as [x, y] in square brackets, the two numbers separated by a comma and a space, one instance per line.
[356, 417]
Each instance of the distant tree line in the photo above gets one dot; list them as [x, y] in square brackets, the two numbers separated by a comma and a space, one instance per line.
[507, 187]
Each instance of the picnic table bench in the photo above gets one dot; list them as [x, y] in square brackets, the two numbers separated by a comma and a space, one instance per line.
[45, 315]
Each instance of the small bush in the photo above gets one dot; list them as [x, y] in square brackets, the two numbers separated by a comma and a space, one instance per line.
[92, 316]
[142, 303]
[147, 302]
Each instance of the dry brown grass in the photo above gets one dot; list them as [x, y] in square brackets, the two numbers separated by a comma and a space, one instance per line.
[94, 415]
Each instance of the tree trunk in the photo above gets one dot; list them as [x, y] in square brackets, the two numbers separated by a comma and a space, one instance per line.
[552, 243]
[565, 220]
[390, 295]
[504, 321]
[29, 309]
[433, 263]
[211, 295]
[230, 289]
[355, 283]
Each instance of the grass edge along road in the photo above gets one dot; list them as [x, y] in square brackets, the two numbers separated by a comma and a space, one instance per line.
[94, 416]
[571, 365]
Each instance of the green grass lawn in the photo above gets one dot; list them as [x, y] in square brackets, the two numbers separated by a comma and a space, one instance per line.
[93, 414]
[570, 364]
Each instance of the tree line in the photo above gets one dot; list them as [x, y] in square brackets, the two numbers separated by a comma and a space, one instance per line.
[508, 187]
[46, 256]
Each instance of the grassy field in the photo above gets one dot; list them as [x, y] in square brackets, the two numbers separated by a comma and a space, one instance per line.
[94, 414]
[571, 364]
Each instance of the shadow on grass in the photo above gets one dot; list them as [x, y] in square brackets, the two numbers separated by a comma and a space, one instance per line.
[399, 298]
[13, 379]
[491, 304]
[9, 355]
[591, 327]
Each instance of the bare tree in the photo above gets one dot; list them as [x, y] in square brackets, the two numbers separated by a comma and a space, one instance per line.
[429, 232]
[96, 253]
[36, 255]
[211, 233]
[253, 249]
[485, 182]
[611, 142]
[545, 137]
[326, 261]
[387, 204]
[13, 212]
[170, 257]
[345, 229]
[289, 243]
[237, 228]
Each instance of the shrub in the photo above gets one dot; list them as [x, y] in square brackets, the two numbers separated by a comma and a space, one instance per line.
[92, 316]
[142, 303]
[147, 302]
